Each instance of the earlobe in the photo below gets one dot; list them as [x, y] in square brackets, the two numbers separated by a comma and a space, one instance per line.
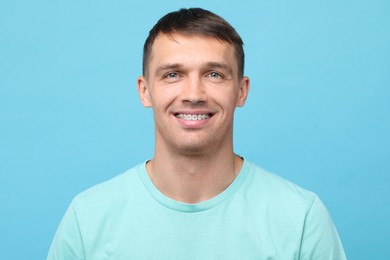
[143, 92]
[244, 89]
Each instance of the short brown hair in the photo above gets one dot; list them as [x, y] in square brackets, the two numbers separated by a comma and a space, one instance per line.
[199, 22]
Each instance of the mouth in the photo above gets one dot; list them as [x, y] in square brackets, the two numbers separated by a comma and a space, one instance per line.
[193, 117]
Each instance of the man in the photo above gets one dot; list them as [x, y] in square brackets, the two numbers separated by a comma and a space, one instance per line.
[196, 199]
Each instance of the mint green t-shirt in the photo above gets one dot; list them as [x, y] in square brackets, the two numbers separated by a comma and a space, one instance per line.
[259, 216]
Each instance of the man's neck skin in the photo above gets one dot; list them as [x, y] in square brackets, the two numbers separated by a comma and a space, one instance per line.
[192, 179]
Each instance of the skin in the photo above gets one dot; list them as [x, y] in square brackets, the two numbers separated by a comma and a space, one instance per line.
[193, 75]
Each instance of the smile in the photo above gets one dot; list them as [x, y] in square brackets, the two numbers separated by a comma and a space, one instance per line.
[193, 117]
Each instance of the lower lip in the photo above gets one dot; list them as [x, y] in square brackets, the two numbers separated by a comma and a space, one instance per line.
[193, 124]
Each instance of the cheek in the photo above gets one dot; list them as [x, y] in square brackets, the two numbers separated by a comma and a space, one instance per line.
[161, 98]
[226, 98]
[164, 92]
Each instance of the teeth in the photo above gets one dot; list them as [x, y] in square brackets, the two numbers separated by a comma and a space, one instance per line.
[192, 117]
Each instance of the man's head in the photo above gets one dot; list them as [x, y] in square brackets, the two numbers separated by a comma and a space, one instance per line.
[195, 22]
[193, 81]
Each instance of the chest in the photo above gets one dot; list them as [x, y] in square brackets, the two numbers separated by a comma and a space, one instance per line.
[229, 232]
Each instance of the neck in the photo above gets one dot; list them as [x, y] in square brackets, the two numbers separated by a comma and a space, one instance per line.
[193, 178]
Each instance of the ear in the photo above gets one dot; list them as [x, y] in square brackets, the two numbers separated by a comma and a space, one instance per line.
[243, 92]
[143, 92]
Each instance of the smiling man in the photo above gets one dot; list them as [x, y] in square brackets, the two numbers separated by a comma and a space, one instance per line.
[195, 199]
[193, 84]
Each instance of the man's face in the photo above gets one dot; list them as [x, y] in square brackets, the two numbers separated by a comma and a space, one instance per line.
[193, 86]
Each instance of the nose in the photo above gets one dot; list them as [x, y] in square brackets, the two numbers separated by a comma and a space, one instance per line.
[194, 91]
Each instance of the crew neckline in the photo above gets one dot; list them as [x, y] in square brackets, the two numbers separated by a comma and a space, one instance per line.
[197, 207]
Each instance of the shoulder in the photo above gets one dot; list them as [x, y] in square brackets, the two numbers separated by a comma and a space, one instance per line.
[296, 213]
[277, 192]
[112, 192]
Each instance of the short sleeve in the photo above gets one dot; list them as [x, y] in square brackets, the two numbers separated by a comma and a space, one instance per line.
[67, 243]
[320, 240]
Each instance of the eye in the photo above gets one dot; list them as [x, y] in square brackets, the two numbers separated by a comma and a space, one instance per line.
[171, 75]
[215, 75]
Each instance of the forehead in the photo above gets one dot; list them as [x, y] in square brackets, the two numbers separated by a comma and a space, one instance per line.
[190, 50]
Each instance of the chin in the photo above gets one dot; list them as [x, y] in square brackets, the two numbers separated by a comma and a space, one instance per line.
[195, 147]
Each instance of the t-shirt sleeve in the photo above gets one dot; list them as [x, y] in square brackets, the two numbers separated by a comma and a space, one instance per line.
[320, 240]
[67, 243]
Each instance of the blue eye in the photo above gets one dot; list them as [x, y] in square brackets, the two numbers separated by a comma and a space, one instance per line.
[171, 75]
[215, 75]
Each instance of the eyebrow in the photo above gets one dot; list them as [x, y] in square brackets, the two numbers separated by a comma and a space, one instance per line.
[211, 65]
[168, 66]
[218, 65]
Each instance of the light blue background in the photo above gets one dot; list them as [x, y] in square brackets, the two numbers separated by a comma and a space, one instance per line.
[318, 111]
